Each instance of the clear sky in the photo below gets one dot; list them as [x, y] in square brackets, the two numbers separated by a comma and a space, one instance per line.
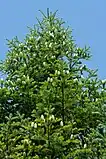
[86, 18]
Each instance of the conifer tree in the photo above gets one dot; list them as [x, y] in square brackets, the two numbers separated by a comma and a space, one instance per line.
[59, 100]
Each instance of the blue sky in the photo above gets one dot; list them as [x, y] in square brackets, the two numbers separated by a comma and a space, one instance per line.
[86, 18]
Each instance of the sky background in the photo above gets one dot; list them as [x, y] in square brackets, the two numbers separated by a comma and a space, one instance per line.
[86, 18]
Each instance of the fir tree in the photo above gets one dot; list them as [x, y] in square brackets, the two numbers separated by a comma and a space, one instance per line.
[63, 101]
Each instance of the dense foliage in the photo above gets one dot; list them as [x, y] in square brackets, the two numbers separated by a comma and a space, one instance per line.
[51, 104]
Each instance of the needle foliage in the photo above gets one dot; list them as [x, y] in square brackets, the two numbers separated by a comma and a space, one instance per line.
[52, 106]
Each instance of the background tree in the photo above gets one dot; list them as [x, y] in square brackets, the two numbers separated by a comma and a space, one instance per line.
[62, 100]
